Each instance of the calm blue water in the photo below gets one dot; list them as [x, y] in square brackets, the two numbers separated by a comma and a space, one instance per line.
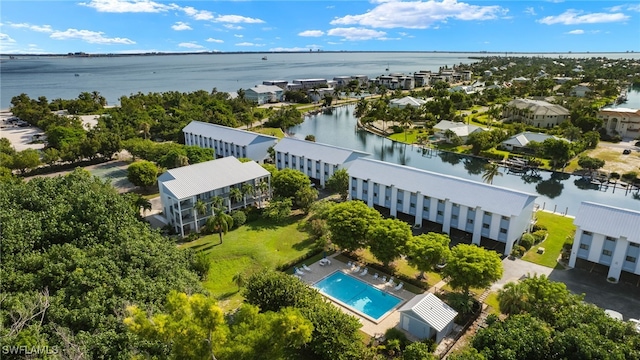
[556, 191]
[114, 77]
[357, 294]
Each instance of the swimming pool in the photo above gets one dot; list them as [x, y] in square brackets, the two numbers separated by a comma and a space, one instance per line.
[357, 295]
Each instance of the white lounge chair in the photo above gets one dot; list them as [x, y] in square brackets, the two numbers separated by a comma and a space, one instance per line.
[356, 269]
[375, 276]
[398, 287]
[299, 272]
[304, 266]
[324, 262]
[350, 264]
[384, 278]
[390, 282]
[364, 272]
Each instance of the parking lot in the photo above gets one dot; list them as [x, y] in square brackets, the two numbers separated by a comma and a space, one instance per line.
[20, 134]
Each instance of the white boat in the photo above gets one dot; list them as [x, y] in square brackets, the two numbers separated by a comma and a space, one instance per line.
[264, 58]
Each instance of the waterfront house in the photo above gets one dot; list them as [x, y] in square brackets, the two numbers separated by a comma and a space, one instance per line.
[422, 196]
[425, 317]
[307, 84]
[316, 160]
[282, 84]
[609, 236]
[226, 141]
[342, 81]
[462, 130]
[263, 94]
[537, 113]
[621, 121]
[181, 188]
[406, 101]
[520, 142]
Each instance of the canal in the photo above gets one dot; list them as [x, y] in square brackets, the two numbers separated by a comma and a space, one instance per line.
[557, 192]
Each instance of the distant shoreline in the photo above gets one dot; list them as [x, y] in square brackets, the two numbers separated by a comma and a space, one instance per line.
[507, 53]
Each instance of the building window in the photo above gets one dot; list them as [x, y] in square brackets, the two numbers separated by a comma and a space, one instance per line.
[503, 230]
[454, 217]
[607, 252]
[634, 245]
[455, 205]
[425, 208]
[386, 198]
[584, 246]
[488, 213]
[440, 213]
[485, 226]
[609, 238]
[630, 259]
[588, 233]
[505, 218]
[412, 205]
[469, 221]
[440, 201]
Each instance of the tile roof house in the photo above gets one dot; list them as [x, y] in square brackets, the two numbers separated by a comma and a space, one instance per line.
[425, 316]
[609, 236]
[537, 113]
[621, 121]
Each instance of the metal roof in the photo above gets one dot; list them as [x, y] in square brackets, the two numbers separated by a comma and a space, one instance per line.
[317, 151]
[539, 107]
[433, 311]
[609, 220]
[265, 89]
[460, 129]
[524, 138]
[191, 180]
[226, 134]
[408, 100]
[457, 190]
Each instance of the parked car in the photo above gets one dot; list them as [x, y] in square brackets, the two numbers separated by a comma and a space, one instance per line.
[626, 151]
[614, 314]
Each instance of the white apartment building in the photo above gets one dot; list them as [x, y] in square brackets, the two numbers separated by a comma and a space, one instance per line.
[608, 236]
[480, 209]
[227, 141]
[318, 161]
[181, 188]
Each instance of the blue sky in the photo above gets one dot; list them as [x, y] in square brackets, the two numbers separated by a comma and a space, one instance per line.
[132, 26]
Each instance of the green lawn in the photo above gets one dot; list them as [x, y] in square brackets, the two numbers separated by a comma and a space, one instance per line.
[277, 132]
[559, 228]
[411, 136]
[492, 301]
[250, 248]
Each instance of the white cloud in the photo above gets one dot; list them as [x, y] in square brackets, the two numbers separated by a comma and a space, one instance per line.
[248, 44]
[235, 19]
[4, 38]
[36, 28]
[233, 27]
[635, 7]
[238, 35]
[190, 45]
[574, 17]
[128, 6]
[311, 33]
[530, 11]
[354, 34]
[181, 26]
[214, 40]
[420, 15]
[575, 32]
[92, 37]
[202, 15]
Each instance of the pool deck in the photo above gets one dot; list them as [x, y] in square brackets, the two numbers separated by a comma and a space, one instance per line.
[369, 327]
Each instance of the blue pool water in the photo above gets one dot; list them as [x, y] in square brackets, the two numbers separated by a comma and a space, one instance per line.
[357, 295]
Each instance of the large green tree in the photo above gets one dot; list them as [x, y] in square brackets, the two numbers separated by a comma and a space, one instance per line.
[471, 266]
[339, 183]
[387, 239]
[519, 337]
[349, 223]
[73, 247]
[425, 251]
[143, 173]
[287, 182]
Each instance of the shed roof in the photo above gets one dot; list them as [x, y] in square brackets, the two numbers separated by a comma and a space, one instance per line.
[609, 220]
[458, 190]
[187, 181]
[329, 154]
[227, 134]
[433, 311]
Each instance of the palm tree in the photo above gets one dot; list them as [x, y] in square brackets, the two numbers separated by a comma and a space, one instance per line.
[145, 129]
[235, 194]
[491, 170]
[220, 222]
[240, 279]
[512, 298]
[143, 204]
[263, 187]
[199, 208]
[247, 190]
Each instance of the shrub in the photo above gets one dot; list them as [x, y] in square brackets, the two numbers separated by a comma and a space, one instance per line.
[538, 227]
[239, 218]
[394, 334]
[614, 175]
[527, 241]
[539, 236]
[518, 251]
[630, 176]
[201, 264]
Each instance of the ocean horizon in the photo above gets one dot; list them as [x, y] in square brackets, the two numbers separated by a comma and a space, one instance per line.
[65, 77]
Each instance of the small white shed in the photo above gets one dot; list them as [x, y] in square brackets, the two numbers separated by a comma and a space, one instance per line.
[425, 316]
